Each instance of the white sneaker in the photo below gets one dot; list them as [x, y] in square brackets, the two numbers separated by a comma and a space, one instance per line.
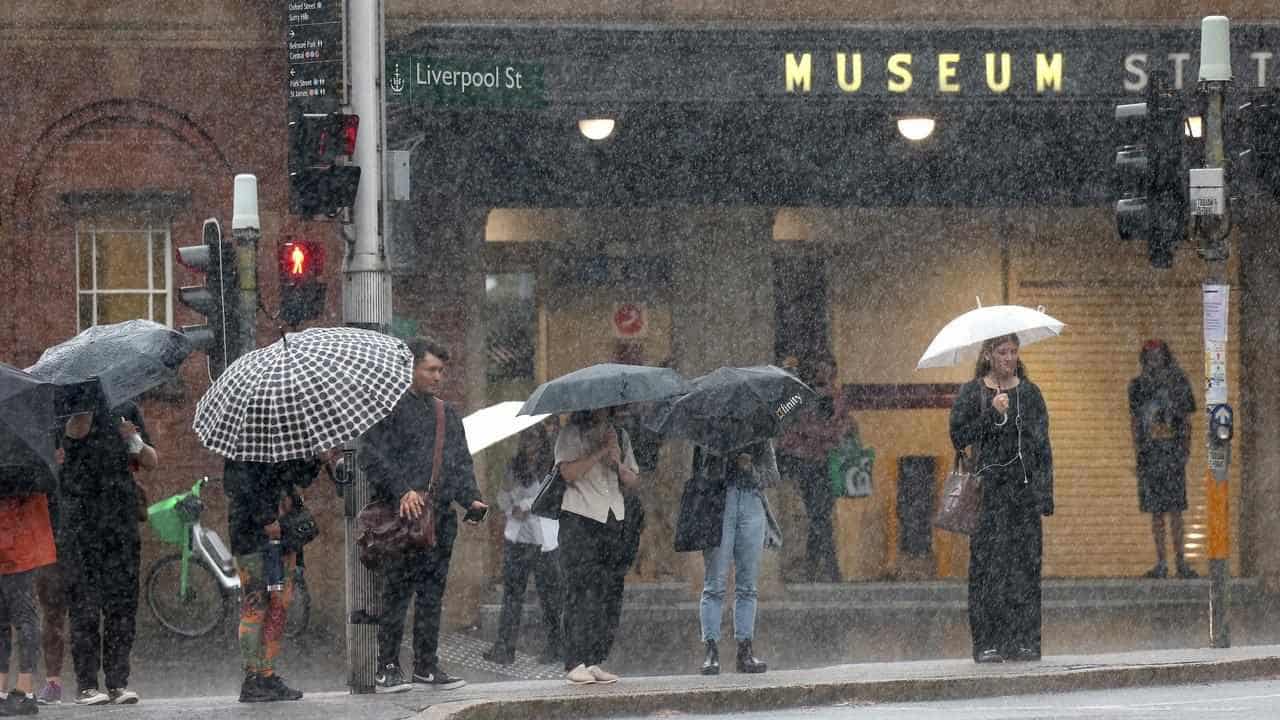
[92, 696]
[602, 676]
[122, 696]
[580, 676]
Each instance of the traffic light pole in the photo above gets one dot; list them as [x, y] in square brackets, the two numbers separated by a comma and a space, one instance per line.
[366, 303]
[246, 231]
[1212, 226]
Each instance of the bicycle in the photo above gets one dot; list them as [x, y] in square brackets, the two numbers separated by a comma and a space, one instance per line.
[192, 598]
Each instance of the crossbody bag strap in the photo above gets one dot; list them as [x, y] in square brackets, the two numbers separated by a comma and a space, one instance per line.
[437, 455]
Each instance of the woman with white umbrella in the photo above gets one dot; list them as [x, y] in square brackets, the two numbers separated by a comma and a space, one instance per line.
[1002, 416]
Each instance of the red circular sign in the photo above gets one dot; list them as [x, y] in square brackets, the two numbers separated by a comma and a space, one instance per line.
[628, 318]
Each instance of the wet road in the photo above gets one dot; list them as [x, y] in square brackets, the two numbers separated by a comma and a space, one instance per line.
[1258, 700]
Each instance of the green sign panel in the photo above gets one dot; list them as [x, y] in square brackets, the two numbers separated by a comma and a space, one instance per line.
[452, 82]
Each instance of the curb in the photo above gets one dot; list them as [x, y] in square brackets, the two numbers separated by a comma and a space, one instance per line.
[745, 698]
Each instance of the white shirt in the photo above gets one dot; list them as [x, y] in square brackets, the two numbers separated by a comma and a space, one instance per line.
[597, 492]
[532, 529]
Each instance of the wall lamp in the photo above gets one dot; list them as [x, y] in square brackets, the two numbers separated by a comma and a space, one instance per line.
[916, 128]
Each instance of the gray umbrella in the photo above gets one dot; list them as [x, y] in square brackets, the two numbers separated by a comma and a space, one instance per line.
[306, 393]
[26, 419]
[604, 385]
[127, 358]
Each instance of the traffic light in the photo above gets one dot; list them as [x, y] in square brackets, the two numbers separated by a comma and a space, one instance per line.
[302, 287]
[320, 146]
[1149, 175]
[218, 299]
[1259, 123]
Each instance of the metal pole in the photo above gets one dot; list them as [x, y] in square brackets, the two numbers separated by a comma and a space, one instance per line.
[246, 231]
[366, 302]
[1212, 226]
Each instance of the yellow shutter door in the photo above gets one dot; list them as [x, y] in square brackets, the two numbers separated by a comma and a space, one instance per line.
[1112, 302]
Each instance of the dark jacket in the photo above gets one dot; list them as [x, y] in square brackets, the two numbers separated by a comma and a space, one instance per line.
[254, 491]
[97, 476]
[973, 423]
[700, 521]
[396, 454]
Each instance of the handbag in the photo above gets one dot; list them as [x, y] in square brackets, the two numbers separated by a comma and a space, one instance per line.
[382, 534]
[550, 495]
[961, 499]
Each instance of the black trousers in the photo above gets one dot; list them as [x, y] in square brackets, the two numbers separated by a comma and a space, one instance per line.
[518, 561]
[101, 572]
[1004, 569]
[811, 479]
[422, 574]
[592, 557]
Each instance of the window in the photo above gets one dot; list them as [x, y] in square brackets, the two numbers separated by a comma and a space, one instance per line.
[123, 270]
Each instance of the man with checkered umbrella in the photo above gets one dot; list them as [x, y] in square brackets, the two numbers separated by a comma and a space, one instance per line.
[398, 457]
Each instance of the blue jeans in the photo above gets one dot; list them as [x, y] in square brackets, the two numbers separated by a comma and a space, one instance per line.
[741, 542]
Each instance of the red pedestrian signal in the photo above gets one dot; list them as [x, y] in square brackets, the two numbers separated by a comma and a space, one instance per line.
[302, 289]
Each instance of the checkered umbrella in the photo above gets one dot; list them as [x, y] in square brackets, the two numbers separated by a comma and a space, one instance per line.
[308, 392]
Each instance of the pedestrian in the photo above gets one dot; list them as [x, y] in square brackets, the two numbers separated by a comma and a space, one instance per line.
[596, 461]
[531, 545]
[726, 514]
[1001, 415]
[259, 495]
[26, 545]
[398, 457]
[51, 596]
[101, 545]
[813, 433]
[1160, 407]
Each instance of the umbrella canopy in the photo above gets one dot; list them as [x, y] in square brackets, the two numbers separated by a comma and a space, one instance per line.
[733, 407]
[962, 338]
[127, 358]
[305, 393]
[27, 420]
[604, 385]
[495, 423]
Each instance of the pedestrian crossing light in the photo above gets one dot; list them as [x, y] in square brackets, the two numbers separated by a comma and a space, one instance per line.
[1152, 196]
[302, 288]
[321, 179]
[217, 299]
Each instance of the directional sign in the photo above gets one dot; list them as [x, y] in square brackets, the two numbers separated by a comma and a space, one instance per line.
[317, 53]
[471, 82]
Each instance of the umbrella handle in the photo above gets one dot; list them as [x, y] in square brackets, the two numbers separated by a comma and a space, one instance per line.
[1004, 420]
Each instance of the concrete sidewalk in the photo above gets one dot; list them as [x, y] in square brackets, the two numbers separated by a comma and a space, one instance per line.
[731, 692]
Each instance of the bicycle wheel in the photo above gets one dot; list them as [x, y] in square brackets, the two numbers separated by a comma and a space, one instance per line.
[193, 616]
[299, 608]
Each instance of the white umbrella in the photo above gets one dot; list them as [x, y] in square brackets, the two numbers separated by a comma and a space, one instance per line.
[962, 338]
[497, 422]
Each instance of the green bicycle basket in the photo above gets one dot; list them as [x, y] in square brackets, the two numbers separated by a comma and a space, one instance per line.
[165, 519]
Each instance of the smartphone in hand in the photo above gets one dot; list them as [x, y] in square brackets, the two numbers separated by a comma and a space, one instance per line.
[475, 515]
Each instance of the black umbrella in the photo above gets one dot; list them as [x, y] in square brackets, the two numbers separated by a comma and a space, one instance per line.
[127, 358]
[604, 385]
[733, 407]
[27, 426]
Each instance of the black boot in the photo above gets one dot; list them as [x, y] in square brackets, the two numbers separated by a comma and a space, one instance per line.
[747, 663]
[711, 665]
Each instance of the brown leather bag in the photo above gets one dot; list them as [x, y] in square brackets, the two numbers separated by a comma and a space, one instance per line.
[961, 500]
[382, 534]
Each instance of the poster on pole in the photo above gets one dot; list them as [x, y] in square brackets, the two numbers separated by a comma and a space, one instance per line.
[1215, 299]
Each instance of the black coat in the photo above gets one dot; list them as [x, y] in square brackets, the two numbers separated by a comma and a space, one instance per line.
[396, 454]
[973, 423]
[254, 491]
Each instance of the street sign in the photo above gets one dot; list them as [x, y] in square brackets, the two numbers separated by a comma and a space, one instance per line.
[316, 47]
[470, 82]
